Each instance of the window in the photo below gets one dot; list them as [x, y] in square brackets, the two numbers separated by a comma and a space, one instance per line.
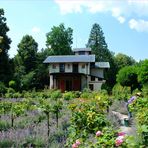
[68, 66]
[83, 66]
[81, 52]
[54, 66]
[75, 68]
[62, 67]
[91, 86]
[92, 78]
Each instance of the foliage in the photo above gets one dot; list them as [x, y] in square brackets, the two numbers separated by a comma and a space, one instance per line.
[69, 95]
[27, 81]
[123, 60]
[88, 116]
[99, 47]
[2, 88]
[5, 69]
[27, 51]
[121, 93]
[60, 40]
[139, 108]
[26, 62]
[127, 76]
[143, 72]
[12, 84]
[6, 143]
[55, 95]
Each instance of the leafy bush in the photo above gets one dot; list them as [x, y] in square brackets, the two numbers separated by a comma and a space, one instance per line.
[56, 94]
[6, 143]
[121, 93]
[34, 142]
[4, 125]
[3, 89]
[12, 84]
[68, 95]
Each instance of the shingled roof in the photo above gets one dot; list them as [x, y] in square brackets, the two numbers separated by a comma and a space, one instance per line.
[70, 59]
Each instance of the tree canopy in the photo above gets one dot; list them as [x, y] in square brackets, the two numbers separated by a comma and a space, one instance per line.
[143, 72]
[59, 40]
[98, 44]
[99, 47]
[123, 60]
[27, 51]
[5, 71]
[127, 76]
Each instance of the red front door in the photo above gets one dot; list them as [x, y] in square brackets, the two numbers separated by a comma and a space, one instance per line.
[62, 85]
[76, 84]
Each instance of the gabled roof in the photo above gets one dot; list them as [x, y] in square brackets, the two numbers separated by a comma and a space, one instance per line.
[70, 59]
[102, 65]
[81, 49]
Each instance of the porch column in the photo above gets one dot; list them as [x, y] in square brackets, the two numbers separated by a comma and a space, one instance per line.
[51, 81]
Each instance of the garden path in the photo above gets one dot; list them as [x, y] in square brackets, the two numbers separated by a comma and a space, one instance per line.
[125, 125]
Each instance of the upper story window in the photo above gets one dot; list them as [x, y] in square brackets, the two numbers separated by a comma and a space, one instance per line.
[92, 78]
[68, 66]
[81, 52]
[83, 66]
[53, 66]
[62, 67]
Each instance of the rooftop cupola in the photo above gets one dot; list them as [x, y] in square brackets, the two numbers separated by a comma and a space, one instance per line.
[82, 51]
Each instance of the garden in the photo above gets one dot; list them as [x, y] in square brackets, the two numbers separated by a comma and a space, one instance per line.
[53, 119]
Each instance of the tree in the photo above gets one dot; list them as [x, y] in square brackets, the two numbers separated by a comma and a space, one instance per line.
[99, 47]
[26, 62]
[5, 69]
[143, 72]
[123, 60]
[127, 76]
[98, 44]
[28, 53]
[59, 39]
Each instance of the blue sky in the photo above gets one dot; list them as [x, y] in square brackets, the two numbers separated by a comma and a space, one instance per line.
[124, 22]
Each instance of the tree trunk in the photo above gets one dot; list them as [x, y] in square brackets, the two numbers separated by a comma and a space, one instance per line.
[48, 129]
[12, 120]
[57, 117]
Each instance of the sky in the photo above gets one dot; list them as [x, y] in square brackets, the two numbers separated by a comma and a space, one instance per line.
[124, 22]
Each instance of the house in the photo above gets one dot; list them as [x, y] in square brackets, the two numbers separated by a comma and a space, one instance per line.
[76, 72]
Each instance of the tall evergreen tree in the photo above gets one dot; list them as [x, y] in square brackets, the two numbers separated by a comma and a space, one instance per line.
[99, 47]
[5, 70]
[27, 51]
[98, 44]
[25, 62]
[60, 39]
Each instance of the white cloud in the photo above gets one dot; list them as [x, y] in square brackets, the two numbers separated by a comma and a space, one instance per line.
[36, 29]
[121, 19]
[139, 25]
[121, 10]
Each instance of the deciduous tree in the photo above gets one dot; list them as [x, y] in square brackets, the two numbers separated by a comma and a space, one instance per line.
[59, 40]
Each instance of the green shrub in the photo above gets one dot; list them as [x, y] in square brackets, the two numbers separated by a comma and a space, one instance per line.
[34, 142]
[3, 89]
[56, 94]
[4, 125]
[120, 92]
[6, 143]
[17, 95]
[12, 84]
[68, 95]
